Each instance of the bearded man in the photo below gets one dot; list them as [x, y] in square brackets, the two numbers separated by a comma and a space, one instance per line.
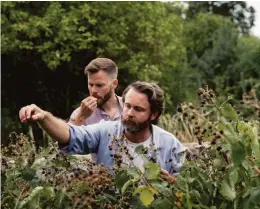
[102, 104]
[114, 142]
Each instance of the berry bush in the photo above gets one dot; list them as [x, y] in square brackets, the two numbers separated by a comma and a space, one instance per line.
[224, 174]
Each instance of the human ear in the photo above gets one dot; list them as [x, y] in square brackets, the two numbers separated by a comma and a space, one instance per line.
[115, 83]
[154, 115]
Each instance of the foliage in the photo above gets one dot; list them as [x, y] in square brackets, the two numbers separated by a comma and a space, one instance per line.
[45, 47]
[225, 174]
[238, 11]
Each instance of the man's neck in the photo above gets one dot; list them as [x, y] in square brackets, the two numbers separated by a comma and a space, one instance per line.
[140, 136]
[111, 103]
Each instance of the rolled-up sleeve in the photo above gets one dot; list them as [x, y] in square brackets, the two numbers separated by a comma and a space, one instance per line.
[83, 139]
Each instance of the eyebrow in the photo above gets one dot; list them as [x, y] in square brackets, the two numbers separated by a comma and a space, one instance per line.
[99, 83]
[135, 106]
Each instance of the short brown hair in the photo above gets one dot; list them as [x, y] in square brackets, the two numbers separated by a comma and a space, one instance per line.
[154, 94]
[104, 64]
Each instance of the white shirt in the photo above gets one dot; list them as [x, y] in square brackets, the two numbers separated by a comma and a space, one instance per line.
[139, 160]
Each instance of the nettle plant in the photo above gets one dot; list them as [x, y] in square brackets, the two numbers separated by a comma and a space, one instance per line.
[224, 174]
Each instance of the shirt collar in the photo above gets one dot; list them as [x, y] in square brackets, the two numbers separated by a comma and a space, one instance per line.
[119, 104]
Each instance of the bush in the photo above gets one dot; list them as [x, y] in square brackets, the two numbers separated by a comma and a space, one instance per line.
[225, 174]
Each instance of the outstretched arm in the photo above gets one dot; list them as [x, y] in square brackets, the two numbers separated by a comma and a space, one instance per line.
[56, 128]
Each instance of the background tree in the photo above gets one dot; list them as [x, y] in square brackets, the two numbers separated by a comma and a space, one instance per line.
[239, 12]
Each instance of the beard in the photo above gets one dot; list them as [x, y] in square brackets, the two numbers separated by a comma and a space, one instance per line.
[102, 100]
[132, 126]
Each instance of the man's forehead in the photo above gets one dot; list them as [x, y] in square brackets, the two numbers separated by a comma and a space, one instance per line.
[99, 78]
[137, 97]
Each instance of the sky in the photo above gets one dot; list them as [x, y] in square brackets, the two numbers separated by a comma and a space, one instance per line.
[256, 29]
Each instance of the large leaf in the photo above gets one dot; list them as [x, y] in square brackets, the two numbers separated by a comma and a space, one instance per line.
[251, 198]
[152, 170]
[204, 199]
[121, 178]
[161, 204]
[233, 177]
[227, 191]
[133, 172]
[160, 187]
[146, 194]
[238, 153]
[28, 174]
[229, 112]
[32, 201]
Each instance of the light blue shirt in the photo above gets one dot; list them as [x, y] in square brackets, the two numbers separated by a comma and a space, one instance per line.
[97, 138]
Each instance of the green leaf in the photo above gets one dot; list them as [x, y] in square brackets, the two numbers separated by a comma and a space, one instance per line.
[33, 197]
[227, 191]
[255, 143]
[48, 192]
[127, 184]
[204, 199]
[146, 194]
[217, 163]
[253, 200]
[139, 149]
[162, 204]
[28, 174]
[229, 112]
[181, 182]
[238, 153]
[162, 188]
[233, 177]
[152, 170]
[121, 178]
[59, 197]
[131, 171]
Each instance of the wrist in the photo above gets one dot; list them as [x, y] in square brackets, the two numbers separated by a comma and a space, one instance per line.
[45, 116]
[77, 120]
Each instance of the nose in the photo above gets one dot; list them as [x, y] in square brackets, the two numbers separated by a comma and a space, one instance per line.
[130, 112]
[93, 89]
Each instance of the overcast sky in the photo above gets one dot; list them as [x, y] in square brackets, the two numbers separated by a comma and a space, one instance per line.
[256, 29]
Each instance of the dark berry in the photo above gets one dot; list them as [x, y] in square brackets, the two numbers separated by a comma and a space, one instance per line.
[219, 148]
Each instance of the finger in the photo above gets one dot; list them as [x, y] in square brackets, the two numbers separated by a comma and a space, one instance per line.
[92, 103]
[85, 102]
[164, 172]
[92, 98]
[93, 107]
[29, 111]
[22, 114]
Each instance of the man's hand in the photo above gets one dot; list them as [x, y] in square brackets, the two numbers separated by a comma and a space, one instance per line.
[31, 113]
[167, 176]
[87, 107]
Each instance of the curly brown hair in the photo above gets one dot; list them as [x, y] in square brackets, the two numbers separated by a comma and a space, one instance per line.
[154, 94]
